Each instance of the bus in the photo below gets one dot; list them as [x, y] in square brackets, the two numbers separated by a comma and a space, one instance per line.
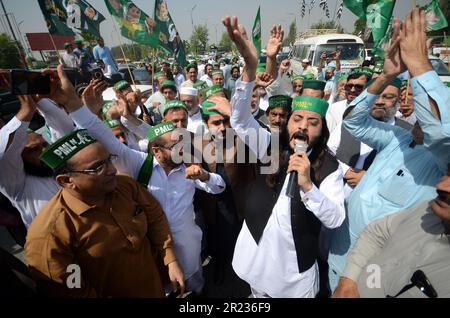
[351, 47]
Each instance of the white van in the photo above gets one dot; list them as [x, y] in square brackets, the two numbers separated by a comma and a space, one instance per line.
[351, 47]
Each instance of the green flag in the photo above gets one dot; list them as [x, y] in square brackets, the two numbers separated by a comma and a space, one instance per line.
[256, 32]
[357, 7]
[55, 16]
[169, 38]
[133, 22]
[435, 17]
[378, 17]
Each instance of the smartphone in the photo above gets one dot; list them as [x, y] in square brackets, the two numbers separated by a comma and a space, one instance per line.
[24, 82]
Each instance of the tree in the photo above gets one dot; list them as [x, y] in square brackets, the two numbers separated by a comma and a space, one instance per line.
[199, 38]
[225, 42]
[89, 39]
[9, 54]
[291, 35]
[360, 26]
[328, 25]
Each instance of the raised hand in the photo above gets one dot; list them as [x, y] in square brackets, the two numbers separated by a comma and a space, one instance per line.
[27, 108]
[393, 64]
[275, 41]
[62, 90]
[92, 95]
[222, 105]
[413, 43]
[263, 79]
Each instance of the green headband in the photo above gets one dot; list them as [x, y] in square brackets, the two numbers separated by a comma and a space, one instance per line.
[313, 84]
[216, 72]
[111, 123]
[190, 66]
[367, 72]
[121, 85]
[212, 91]
[168, 83]
[280, 101]
[159, 130]
[298, 77]
[308, 76]
[158, 75]
[343, 77]
[106, 106]
[313, 104]
[174, 104]
[65, 148]
[395, 82]
[205, 109]
[200, 85]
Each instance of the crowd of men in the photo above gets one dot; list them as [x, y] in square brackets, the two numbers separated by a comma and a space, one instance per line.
[240, 183]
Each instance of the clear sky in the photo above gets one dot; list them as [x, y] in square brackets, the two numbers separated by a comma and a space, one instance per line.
[206, 11]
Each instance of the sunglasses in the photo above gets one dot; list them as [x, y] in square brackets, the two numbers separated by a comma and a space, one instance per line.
[358, 87]
[419, 280]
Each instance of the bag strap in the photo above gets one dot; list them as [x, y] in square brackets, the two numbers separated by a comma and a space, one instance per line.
[146, 171]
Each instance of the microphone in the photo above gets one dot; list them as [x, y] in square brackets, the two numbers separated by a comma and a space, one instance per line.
[292, 184]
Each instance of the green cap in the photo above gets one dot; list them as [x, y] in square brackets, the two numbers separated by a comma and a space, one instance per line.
[174, 104]
[205, 109]
[261, 68]
[216, 72]
[363, 71]
[106, 106]
[280, 101]
[158, 75]
[120, 85]
[66, 44]
[313, 104]
[212, 91]
[111, 123]
[343, 77]
[200, 85]
[395, 82]
[235, 66]
[377, 70]
[159, 130]
[168, 83]
[298, 77]
[313, 84]
[308, 76]
[77, 41]
[189, 66]
[65, 148]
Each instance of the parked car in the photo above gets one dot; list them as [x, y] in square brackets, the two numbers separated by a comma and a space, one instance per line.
[441, 69]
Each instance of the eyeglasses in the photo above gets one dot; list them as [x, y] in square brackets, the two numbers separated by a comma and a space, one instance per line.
[358, 87]
[100, 169]
[170, 148]
[419, 280]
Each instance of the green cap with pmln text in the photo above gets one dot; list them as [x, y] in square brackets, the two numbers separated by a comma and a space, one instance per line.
[216, 72]
[313, 104]
[159, 130]
[206, 111]
[200, 85]
[280, 101]
[314, 84]
[65, 148]
[174, 104]
[297, 77]
[367, 72]
[212, 91]
[106, 106]
[111, 123]
[120, 85]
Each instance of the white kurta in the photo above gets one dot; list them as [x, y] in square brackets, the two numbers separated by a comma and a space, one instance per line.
[195, 122]
[335, 113]
[271, 266]
[174, 192]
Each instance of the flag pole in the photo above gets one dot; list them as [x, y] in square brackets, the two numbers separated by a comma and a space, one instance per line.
[121, 49]
[54, 46]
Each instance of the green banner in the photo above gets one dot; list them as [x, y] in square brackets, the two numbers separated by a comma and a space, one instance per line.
[133, 22]
[357, 7]
[378, 17]
[435, 17]
[55, 16]
[256, 32]
[169, 39]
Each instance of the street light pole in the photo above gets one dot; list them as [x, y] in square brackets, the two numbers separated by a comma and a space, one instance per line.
[9, 22]
[192, 19]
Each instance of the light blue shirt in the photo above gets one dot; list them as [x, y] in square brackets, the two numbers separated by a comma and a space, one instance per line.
[104, 54]
[400, 176]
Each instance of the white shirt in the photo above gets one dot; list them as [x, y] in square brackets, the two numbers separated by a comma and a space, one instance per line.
[174, 192]
[271, 266]
[264, 102]
[69, 60]
[335, 113]
[28, 194]
[207, 79]
[179, 79]
[195, 122]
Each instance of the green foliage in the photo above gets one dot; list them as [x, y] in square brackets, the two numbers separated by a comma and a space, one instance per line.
[290, 39]
[199, 39]
[225, 42]
[9, 54]
[328, 25]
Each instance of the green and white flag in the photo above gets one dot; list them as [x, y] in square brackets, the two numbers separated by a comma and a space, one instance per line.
[256, 32]
[55, 16]
[357, 7]
[169, 39]
[435, 17]
[133, 22]
[378, 17]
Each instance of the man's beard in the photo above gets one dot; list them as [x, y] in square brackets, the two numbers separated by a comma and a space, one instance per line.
[327, 78]
[43, 171]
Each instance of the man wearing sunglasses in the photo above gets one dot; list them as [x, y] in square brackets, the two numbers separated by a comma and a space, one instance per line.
[408, 164]
[107, 227]
[354, 86]
[399, 245]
